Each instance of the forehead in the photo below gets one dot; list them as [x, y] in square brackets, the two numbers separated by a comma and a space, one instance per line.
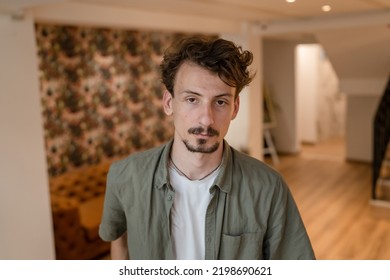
[193, 77]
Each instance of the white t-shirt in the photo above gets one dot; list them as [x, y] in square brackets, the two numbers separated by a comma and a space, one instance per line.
[188, 214]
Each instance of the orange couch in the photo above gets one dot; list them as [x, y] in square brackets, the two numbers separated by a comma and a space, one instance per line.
[77, 203]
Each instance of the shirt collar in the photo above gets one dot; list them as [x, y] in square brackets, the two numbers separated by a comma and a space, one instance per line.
[162, 175]
[223, 180]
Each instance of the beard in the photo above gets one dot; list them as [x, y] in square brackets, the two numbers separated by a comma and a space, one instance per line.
[201, 147]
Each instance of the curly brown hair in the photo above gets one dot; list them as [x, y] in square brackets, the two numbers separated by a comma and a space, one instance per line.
[220, 56]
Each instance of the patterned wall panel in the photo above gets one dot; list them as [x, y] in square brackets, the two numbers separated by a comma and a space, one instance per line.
[100, 92]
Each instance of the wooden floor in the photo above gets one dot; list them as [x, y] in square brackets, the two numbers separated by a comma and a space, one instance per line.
[333, 198]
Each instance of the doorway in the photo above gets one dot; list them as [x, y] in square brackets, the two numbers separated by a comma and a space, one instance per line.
[321, 106]
[310, 109]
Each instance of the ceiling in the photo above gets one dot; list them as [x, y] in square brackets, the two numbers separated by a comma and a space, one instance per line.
[262, 11]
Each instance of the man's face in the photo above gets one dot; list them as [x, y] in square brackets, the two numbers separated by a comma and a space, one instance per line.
[202, 108]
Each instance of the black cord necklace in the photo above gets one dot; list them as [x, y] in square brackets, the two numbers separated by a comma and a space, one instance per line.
[173, 165]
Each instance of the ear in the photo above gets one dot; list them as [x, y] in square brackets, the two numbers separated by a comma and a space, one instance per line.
[236, 107]
[167, 103]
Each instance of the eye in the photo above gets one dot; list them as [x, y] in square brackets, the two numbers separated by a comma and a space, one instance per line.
[221, 102]
[191, 100]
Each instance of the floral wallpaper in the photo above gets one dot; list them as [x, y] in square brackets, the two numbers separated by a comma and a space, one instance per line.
[100, 93]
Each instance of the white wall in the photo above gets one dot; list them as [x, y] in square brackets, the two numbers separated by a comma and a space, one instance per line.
[307, 86]
[363, 96]
[360, 130]
[321, 105]
[279, 76]
[332, 102]
[255, 106]
[25, 215]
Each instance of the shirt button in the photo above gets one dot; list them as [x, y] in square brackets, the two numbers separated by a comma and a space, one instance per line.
[169, 197]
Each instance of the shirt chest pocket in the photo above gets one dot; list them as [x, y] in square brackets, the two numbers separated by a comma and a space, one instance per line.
[247, 246]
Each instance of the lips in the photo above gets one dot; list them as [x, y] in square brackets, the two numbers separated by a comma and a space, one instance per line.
[203, 132]
[204, 136]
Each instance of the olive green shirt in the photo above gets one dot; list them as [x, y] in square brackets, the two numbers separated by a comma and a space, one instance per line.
[252, 214]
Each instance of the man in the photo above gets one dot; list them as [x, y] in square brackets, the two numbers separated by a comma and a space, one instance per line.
[196, 197]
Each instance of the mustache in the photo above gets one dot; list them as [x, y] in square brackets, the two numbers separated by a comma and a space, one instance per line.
[201, 130]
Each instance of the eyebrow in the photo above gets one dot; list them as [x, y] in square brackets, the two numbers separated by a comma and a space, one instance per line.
[198, 94]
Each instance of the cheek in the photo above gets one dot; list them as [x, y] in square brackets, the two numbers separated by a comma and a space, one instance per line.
[185, 114]
[182, 119]
[225, 127]
[225, 121]
[226, 117]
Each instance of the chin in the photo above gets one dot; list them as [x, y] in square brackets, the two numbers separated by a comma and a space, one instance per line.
[201, 147]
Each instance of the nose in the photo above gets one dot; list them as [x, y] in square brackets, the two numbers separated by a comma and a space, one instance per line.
[207, 115]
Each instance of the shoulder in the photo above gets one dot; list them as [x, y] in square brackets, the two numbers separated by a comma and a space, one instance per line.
[259, 181]
[138, 163]
[250, 166]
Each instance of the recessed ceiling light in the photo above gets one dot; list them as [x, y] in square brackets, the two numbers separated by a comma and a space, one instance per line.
[290, 1]
[326, 8]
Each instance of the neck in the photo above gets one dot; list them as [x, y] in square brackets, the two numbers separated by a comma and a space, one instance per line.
[195, 166]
